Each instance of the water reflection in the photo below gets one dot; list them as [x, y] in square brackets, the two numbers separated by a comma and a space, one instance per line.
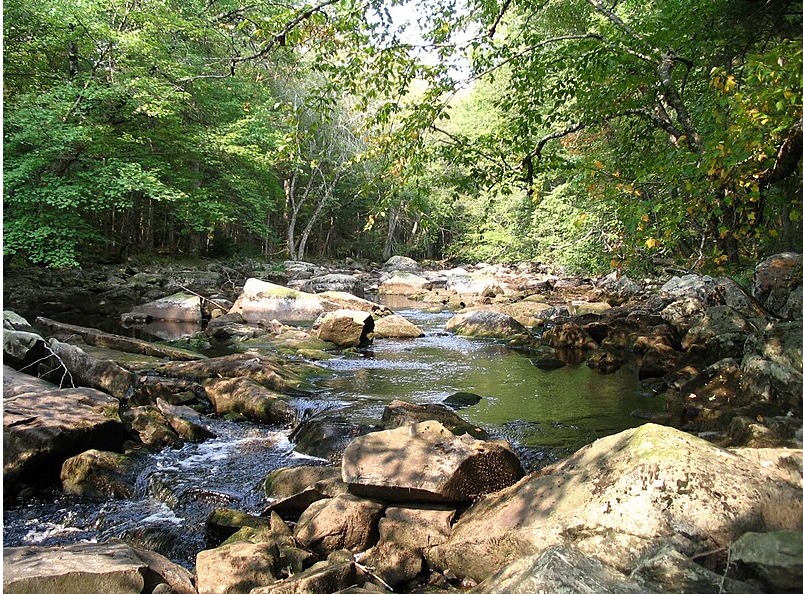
[564, 408]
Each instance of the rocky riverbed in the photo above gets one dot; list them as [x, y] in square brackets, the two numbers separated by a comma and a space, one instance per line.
[706, 498]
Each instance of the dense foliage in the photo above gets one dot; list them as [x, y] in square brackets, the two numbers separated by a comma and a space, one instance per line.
[580, 132]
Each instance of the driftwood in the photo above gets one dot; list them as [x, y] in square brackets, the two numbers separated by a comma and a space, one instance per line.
[98, 338]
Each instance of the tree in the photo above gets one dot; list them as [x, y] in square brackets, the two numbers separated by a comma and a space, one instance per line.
[637, 105]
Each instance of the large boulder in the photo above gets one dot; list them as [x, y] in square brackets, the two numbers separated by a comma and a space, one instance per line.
[185, 421]
[474, 285]
[246, 397]
[150, 427]
[286, 482]
[621, 497]
[346, 328]
[261, 300]
[295, 489]
[396, 326]
[404, 283]
[776, 278]
[16, 383]
[322, 578]
[42, 429]
[23, 350]
[720, 332]
[402, 264]
[561, 570]
[340, 300]
[482, 323]
[414, 527]
[343, 522]
[94, 337]
[427, 462]
[97, 475]
[690, 285]
[90, 568]
[179, 307]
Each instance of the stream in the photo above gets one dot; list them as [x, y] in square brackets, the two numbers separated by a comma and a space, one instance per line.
[546, 415]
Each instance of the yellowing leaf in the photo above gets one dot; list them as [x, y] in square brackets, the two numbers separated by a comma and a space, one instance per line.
[652, 243]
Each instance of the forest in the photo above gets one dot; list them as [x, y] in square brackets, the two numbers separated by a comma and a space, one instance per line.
[588, 134]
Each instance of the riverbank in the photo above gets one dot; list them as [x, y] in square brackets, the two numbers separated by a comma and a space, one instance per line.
[719, 357]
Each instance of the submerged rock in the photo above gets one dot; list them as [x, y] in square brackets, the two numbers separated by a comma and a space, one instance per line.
[399, 413]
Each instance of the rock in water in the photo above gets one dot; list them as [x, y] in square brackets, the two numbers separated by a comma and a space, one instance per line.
[346, 328]
[480, 323]
[179, 307]
[395, 326]
[427, 462]
[261, 300]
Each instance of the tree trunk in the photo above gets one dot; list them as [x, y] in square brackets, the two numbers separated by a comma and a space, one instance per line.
[393, 221]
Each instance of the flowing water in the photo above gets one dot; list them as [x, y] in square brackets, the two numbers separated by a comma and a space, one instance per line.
[545, 414]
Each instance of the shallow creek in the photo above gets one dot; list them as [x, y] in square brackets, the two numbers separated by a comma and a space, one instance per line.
[545, 414]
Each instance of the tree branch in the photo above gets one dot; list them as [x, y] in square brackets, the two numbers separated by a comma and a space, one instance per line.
[280, 38]
[498, 20]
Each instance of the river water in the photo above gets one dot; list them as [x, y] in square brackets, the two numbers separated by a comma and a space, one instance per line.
[546, 415]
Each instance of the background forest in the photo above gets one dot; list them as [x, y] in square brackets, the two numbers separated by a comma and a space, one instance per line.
[584, 133]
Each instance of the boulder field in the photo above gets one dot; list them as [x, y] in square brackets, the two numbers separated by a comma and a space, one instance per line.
[421, 500]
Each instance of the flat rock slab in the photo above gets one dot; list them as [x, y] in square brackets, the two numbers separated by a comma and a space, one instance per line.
[82, 569]
[427, 462]
[16, 383]
[42, 429]
[90, 568]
